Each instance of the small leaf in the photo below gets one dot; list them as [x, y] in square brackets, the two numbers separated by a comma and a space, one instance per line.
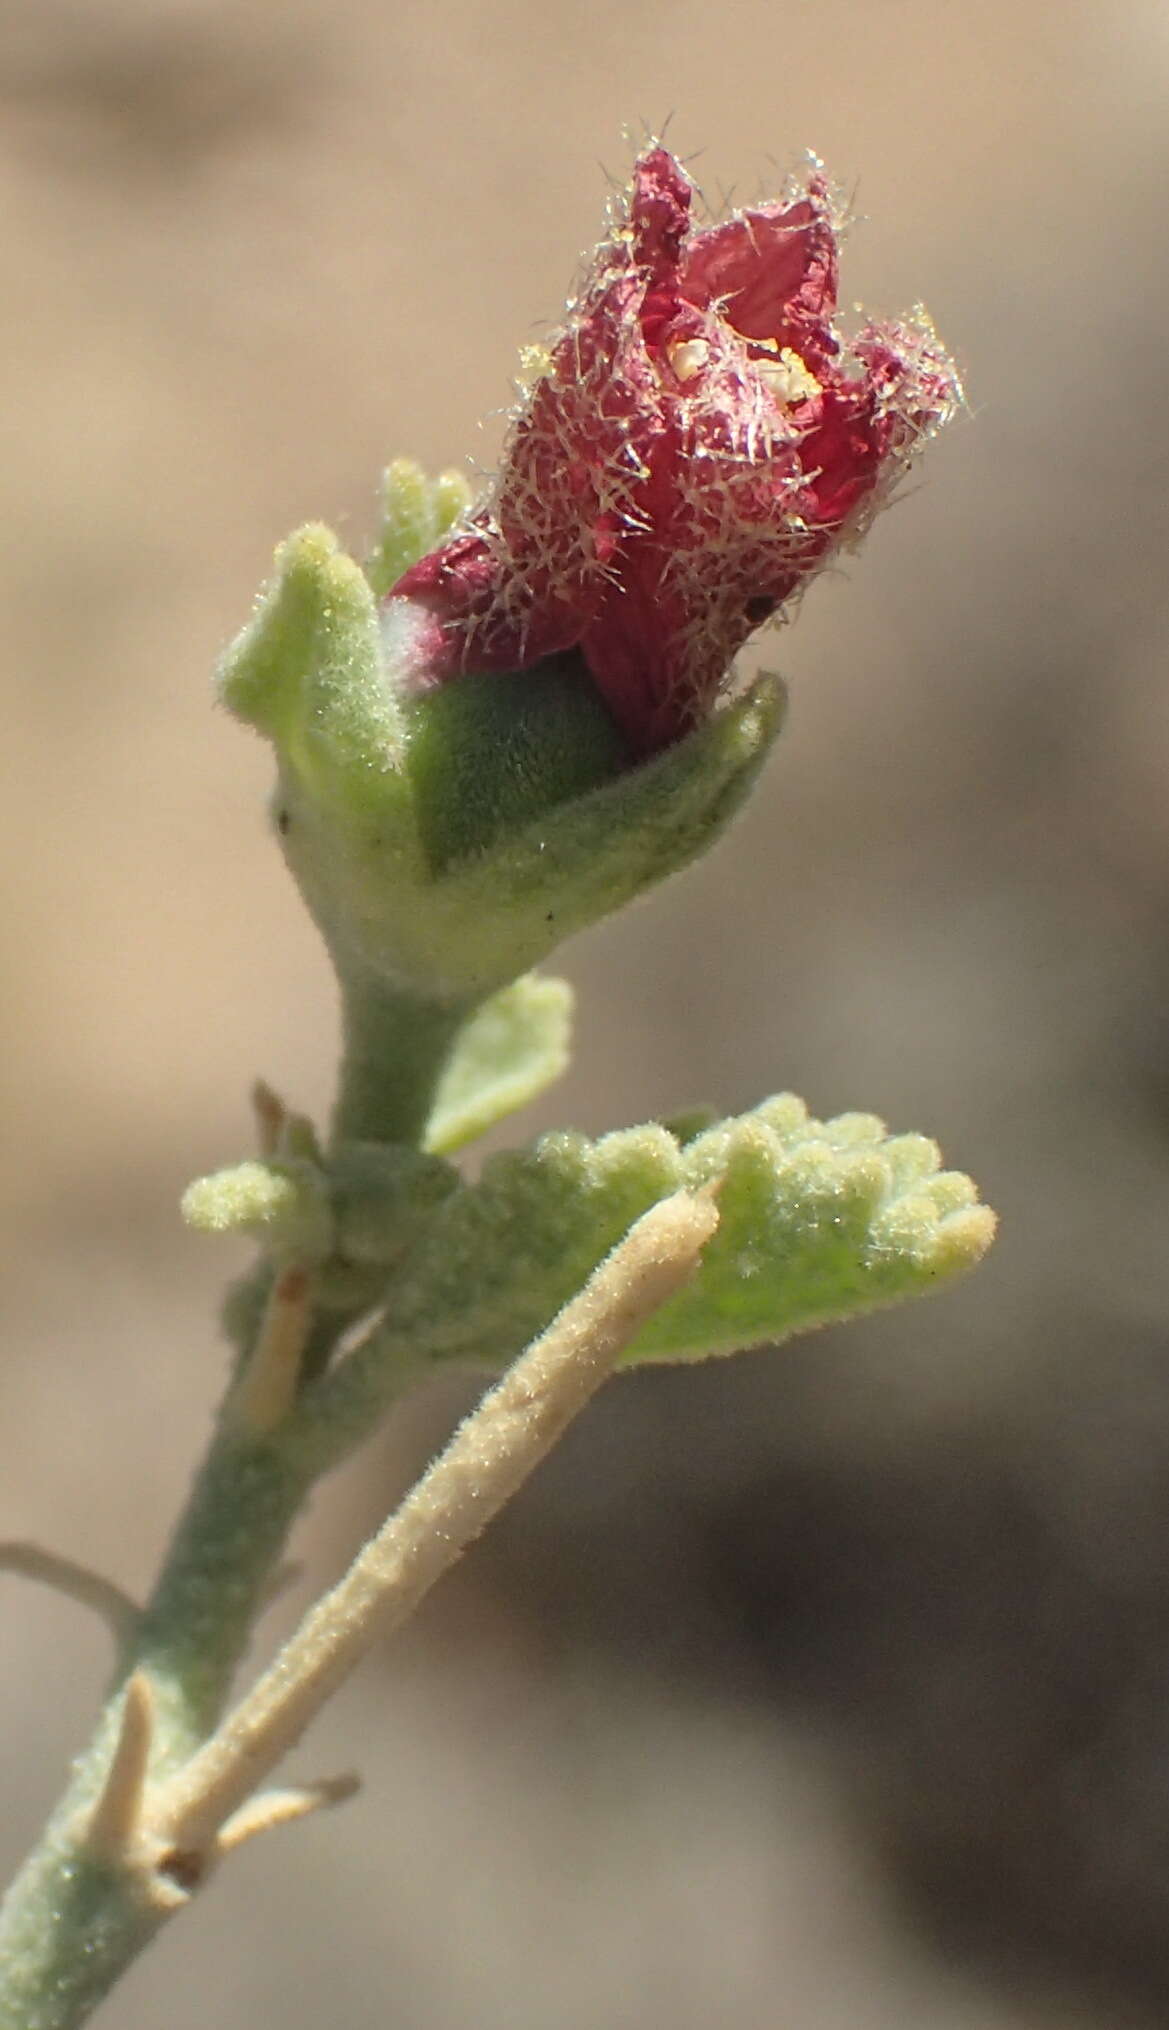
[515, 1045]
[501, 1256]
[817, 1221]
[283, 1204]
[835, 1222]
[352, 1216]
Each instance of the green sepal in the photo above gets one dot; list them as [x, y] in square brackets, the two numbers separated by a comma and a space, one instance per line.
[307, 672]
[496, 912]
[819, 1221]
[455, 930]
[416, 513]
[445, 840]
[492, 752]
[511, 1048]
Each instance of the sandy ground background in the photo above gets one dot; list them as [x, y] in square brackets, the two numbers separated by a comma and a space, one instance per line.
[830, 1688]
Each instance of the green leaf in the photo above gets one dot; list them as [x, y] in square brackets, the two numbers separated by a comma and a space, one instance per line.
[502, 1256]
[818, 1221]
[513, 1047]
[283, 1204]
[352, 1214]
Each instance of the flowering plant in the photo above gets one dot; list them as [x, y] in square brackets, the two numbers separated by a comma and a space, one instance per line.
[513, 718]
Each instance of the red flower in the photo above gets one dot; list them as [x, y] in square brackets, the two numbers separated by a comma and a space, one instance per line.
[699, 441]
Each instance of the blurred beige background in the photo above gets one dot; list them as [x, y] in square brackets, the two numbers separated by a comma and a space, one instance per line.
[830, 1688]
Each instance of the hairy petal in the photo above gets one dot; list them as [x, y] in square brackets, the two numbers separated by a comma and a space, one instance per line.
[773, 271]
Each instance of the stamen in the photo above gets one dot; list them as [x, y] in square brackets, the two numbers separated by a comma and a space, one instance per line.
[688, 356]
[788, 378]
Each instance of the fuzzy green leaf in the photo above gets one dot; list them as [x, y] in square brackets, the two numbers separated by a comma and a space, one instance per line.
[351, 1215]
[818, 1221]
[513, 1047]
[283, 1204]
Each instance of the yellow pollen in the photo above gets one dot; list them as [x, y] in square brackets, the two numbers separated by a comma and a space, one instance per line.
[535, 361]
[688, 356]
[787, 377]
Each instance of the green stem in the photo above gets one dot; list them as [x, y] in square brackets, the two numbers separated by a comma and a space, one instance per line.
[394, 1048]
[69, 1929]
[199, 1618]
[70, 1923]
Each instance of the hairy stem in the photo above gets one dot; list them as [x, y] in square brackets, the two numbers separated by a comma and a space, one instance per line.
[83, 1907]
[394, 1050]
[199, 1618]
[489, 1457]
[72, 1921]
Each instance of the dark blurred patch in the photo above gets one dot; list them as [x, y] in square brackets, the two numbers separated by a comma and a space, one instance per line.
[155, 97]
[983, 1614]
[975, 1611]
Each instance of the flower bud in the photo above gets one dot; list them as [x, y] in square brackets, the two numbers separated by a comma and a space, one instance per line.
[519, 717]
[445, 839]
[699, 443]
